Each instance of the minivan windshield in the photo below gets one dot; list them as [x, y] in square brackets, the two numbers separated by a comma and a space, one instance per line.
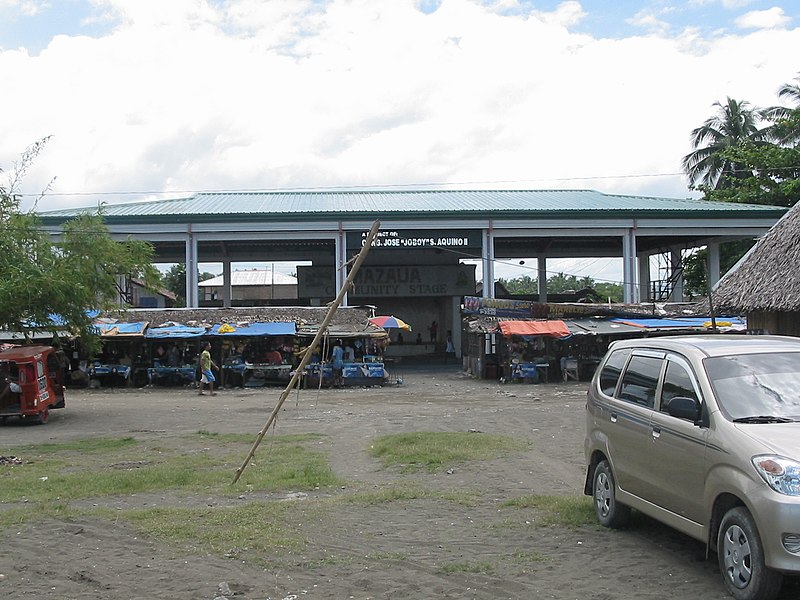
[757, 388]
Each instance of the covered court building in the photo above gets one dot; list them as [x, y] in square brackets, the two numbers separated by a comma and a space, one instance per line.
[424, 261]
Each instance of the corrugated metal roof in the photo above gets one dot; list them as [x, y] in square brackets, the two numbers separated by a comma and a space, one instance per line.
[432, 203]
[256, 277]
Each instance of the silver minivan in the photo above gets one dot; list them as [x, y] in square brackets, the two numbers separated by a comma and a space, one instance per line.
[703, 433]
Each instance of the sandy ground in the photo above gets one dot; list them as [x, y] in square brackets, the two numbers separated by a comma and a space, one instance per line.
[392, 550]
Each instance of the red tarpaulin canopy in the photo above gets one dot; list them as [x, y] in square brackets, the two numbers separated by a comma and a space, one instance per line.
[556, 329]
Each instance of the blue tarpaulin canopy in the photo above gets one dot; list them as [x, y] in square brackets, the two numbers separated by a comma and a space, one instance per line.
[121, 329]
[255, 329]
[174, 331]
[680, 322]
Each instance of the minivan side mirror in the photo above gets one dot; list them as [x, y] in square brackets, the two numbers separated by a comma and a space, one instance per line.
[684, 408]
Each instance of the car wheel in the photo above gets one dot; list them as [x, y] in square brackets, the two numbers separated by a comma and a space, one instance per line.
[741, 558]
[609, 512]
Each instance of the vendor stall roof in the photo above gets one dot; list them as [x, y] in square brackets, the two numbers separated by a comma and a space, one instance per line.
[692, 323]
[557, 329]
[345, 331]
[174, 331]
[20, 336]
[121, 329]
[600, 327]
[254, 329]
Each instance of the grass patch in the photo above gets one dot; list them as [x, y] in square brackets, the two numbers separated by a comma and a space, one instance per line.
[243, 532]
[529, 556]
[387, 556]
[90, 446]
[247, 438]
[119, 467]
[395, 493]
[571, 511]
[466, 567]
[434, 450]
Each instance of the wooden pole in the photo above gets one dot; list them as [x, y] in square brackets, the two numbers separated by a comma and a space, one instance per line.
[310, 350]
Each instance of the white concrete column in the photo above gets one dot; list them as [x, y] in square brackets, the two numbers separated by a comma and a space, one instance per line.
[644, 277]
[675, 260]
[192, 267]
[629, 271]
[713, 264]
[227, 283]
[341, 264]
[541, 267]
[487, 264]
[456, 324]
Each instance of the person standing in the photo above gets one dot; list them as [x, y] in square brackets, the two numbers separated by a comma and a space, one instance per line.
[337, 363]
[433, 330]
[450, 349]
[206, 373]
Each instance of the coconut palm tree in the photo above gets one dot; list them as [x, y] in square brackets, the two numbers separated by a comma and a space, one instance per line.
[736, 122]
[785, 129]
[790, 91]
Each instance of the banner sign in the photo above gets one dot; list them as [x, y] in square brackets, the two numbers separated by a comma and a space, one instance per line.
[417, 238]
[390, 281]
[498, 307]
[363, 370]
[524, 309]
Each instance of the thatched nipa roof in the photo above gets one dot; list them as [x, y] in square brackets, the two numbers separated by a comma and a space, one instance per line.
[768, 277]
[300, 315]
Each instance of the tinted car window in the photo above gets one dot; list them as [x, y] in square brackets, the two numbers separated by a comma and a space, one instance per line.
[611, 370]
[640, 380]
[756, 384]
[677, 382]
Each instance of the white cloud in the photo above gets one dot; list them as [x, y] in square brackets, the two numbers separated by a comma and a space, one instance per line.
[28, 8]
[650, 21]
[773, 18]
[734, 4]
[566, 14]
[189, 95]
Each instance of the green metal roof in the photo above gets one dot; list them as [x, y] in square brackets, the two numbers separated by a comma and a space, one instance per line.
[430, 204]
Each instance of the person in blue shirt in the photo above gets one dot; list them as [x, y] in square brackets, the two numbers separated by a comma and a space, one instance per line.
[337, 363]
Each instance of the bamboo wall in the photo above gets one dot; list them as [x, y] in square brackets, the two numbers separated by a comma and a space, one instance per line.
[779, 323]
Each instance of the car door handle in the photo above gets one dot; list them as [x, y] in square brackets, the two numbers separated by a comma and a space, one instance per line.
[613, 417]
[656, 431]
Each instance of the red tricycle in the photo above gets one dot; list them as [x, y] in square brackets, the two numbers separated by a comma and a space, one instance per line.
[32, 383]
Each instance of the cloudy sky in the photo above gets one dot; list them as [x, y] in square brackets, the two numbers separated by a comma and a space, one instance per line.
[148, 99]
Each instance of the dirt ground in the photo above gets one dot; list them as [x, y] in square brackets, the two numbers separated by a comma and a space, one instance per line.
[394, 550]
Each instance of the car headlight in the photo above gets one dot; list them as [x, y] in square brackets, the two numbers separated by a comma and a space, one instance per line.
[781, 474]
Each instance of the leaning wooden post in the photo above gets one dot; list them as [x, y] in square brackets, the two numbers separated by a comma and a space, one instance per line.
[314, 343]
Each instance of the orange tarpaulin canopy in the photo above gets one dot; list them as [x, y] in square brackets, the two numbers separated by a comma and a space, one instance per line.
[556, 329]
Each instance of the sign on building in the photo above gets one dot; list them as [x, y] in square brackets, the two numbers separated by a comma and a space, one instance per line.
[390, 281]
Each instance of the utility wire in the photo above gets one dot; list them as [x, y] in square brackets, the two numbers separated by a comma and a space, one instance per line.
[335, 188]
[386, 186]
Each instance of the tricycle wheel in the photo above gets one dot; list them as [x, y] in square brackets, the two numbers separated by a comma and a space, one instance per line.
[42, 417]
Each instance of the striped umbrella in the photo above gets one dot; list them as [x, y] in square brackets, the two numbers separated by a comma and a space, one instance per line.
[390, 322]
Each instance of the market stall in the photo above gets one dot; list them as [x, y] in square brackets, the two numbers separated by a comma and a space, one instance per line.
[122, 361]
[362, 349]
[527, 352]
[255, 354]
[174, 349]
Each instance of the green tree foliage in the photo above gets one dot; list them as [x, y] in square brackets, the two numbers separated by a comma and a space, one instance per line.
[695, 270]
[735, 123]
[44, 282]
[747, 155]
[521, 286]
[771, 175]
[561, 283]
[609, 292]
[175, 281]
